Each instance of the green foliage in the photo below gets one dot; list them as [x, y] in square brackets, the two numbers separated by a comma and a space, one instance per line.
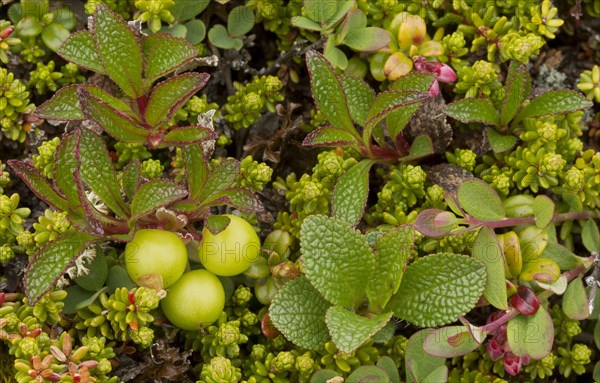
[239, 22]
[589, 83]
[14, 104]
[154, 12]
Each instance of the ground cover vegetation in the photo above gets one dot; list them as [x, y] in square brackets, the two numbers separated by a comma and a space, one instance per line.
[272, 191]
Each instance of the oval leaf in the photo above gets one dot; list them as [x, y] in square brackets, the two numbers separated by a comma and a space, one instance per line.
[480, 200]
[154, 194]
[473, 110]
[487, 249]
[163, 53]
[63, 106]
[554, 102]
[450, 342]
[575, 301]
[240, 21]
[531, 335]
[350, 193]
[543, 210]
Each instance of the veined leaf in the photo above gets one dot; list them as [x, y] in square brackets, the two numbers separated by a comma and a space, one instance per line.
[360, 96]
[39, 185]
[397, 119]
[168, 96]
[420, 147]
[349, 330]
[187, 135]
[392, 252]
[298, 311]
[114, 102]
[386, 103]
[154, 194]
[164, 53]
[473, 110]
[116, 123]
[220, 178]
[51, 261]
[516, 84]
[98, 173]
[553, 102]
[437, 289]
[238, 197]
[328, 92]
[66, 164]
[343, 278]
[118, 50]
[63, 106]
[330, 136]
[500, 143]
[196, 169]
[80, 50]
[131, 178]
[416, 82]
[480, 200]
[350, 193]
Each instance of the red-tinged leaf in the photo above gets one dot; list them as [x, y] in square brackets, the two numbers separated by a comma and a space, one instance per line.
[196, 169]
[131, 178]
[155, 194]
[168, 96]
[330, 136]
[221, 177]
[188, 135]
[51, 261]
[63, 106]
[553, 102]
[164, 53]
[351, 192]
[360, 96]
[391, 101]
[66, 163]
[435, 223]
[473, 110]
[328, 92]
[450, 342]
[119, 50]
[238, 197]
[421, 147]
[98, 173]
[81, 50]
[114, 102]
[39, 185]
[397, 119]
[115, 123]
[419, 82]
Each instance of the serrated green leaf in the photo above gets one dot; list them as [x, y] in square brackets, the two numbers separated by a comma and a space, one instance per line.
[336, 259]
[450, 342]
[196, 31]
[51, 261]
[480, 200]
[240, 21]
[367, 39]
[66, 164]
[79, 49]
[328, 92]
[396, 120]
[196, 169]
[164, 53]
[575, 301]
[564, 258]
[118, 50]
[418, 363]
[553, 102]
[54, 35]
[319, 10]
[359, 95]
[131, 178]
[115, 123]
[473, 110]
[366, 374]
[437, 289]
[238, 197]
[487, 250]
[298, 311]
[221, 177]
[39, 184]
[186, 10]
[218, 36]
[97, 172]
[330, 136]
[391, 101]
[217, 223]
[154, 194]
[98, 272]
[500, 143]
[187, 135]
[349, 330]
[115, 103]
[420, 147]
[63, 106]
[590, 235]
[350, 193]
[516, 83]
[543, 210]
[392, 252]
[168, 96]
[416, 82]
[531, 335]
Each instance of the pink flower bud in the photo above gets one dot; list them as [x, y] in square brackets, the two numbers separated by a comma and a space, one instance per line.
[434, 89]
[494, 349]
[446, 74]
[512, 364]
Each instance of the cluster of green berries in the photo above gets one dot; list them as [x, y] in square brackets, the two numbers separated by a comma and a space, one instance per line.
[14, 103]
[251, 100]
[480, 79]
[122, 7]
[311, 194]
[154, 12]
[127, 152]
[4, 177]
[276, 17]
[44, 160]
[589, 83]
[12, 219]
